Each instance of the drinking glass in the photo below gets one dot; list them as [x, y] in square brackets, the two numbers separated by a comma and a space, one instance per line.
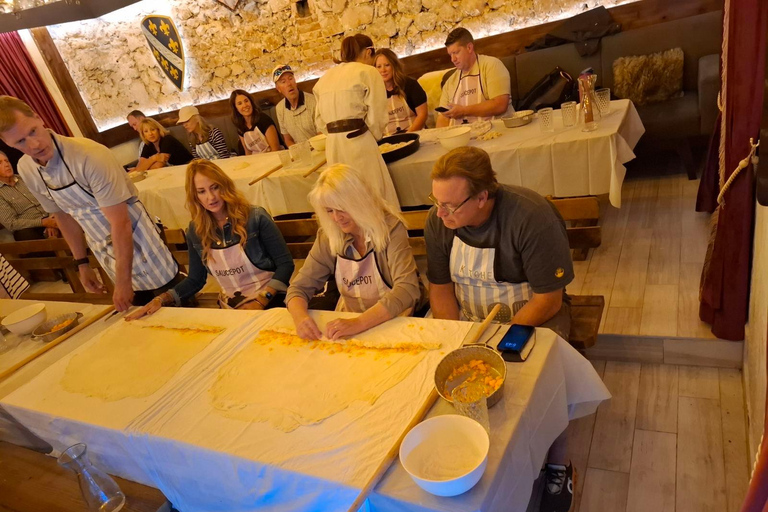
[603, 101]
[546, 120]
[570, 113]
[470, 401]
[300, 153]
[100, 491]
[285, 157]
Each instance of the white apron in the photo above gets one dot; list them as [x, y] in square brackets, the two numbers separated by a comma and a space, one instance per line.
[359, 282]
[400, 115]
[255, 141]
[477, 291]
[469, 91]
[240, 280]
[362, 153]
[153, 264]
[206, 151]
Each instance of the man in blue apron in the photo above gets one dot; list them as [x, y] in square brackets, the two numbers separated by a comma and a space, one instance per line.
[96, 207]
[480, 87]
[491, 244]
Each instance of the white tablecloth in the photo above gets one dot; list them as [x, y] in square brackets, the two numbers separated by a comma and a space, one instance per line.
[202, 460]
[285, 191]
[565, 163]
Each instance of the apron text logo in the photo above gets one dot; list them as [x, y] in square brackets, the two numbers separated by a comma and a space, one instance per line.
[468, 92]
[357, 281]
[485, 275]
[230, 271]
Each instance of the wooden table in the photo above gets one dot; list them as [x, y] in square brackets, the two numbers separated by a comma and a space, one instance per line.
[34, 482]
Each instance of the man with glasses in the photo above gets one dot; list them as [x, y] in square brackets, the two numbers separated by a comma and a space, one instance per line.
[296, 114]
[491, 244]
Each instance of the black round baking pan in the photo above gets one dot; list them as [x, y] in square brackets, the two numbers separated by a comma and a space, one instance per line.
[400, 153]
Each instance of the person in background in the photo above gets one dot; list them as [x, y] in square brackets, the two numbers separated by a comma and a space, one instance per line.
[257, 131]
[407, 101]
[20, 212]
[352, 109]
[480, 89]
[296, 114]
[160, 147]
[95, 204]
[238, 244]
[489, 243]
[363, 242]
[205, 141]
[134, 118]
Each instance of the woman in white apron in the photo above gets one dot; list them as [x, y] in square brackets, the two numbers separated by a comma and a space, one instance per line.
[238, 244]
[205, 141]
[363, 242]
[257, 131]
[352, 108]
[406, 100]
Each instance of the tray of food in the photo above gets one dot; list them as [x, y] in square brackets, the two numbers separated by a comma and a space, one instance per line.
[398, 146]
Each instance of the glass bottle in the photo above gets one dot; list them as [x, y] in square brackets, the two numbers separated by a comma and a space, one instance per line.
[589, 110]
[99, 490]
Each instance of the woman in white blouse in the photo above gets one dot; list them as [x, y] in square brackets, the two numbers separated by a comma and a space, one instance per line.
[352, 106]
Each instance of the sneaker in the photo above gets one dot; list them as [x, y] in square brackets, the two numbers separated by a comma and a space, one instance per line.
[558, 489]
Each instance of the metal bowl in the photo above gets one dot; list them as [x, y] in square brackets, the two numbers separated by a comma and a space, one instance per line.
[43, 332]
[398, 154]
[462, 356]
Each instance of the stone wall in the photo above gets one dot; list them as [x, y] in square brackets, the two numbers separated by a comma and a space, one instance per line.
[112, 65]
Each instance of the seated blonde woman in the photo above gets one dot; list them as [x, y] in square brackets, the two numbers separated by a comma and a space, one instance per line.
[363, 242]
[236, 243]
[205, 141]
[160, 147]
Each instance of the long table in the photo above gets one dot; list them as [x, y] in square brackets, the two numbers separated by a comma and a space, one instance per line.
[202, 461]
[565, 163]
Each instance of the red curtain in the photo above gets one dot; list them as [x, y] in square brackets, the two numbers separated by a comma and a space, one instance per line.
[725, 281]
[19, 78]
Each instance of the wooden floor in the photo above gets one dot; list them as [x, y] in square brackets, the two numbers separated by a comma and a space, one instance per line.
[672, 439]
[652, 253]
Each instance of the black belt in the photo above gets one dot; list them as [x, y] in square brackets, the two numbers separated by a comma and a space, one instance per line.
[356, 127]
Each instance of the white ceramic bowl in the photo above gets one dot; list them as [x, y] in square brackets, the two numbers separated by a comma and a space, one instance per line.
[520, 118]
[318, 142]
[445, 455]
[25, 320]
[137, 176]
[455, 137]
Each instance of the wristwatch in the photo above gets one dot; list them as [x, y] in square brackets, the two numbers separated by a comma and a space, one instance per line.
[81, 261]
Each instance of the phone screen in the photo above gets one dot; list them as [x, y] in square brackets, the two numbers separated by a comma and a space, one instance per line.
[515, 337]
[441, 109]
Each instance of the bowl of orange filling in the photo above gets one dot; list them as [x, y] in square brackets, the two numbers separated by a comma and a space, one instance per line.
[55, 327]
[471, 368]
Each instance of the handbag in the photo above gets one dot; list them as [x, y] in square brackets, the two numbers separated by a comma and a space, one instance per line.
[555, 88]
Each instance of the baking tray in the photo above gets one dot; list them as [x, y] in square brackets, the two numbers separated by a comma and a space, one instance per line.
[399, 154]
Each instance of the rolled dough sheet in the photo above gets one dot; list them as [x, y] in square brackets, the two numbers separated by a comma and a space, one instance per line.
[289, 382]
[135, 359]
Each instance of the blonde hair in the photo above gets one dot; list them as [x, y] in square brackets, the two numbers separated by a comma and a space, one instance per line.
[468, 162]
[8, 108]
[202, 130]
[147, 121]
[236, 205]
[340, 187]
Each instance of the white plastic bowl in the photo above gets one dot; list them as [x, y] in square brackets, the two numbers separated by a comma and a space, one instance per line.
[455, 137]
[25, 320]
[318, 142]
[445, 455]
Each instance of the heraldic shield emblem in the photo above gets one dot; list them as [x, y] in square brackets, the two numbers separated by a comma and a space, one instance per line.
[165, 43]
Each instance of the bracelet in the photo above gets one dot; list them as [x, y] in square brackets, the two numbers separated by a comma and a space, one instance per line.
[262, 304]
[81, 261]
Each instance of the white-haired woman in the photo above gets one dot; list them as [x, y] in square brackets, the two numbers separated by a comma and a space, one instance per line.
[362, 240]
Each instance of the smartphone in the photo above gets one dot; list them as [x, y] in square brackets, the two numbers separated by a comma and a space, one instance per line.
[516, 343]
[441, 109]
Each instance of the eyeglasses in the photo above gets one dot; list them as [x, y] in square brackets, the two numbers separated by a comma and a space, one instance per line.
[450, 211]
[279, 72]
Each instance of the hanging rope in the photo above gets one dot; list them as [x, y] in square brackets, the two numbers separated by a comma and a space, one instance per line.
[750, 158]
